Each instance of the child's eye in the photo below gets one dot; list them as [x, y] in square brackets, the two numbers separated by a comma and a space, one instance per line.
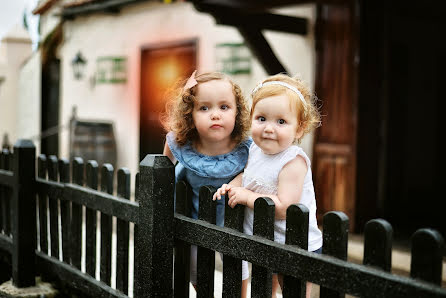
[224, 107]
[281, 121]
[261, 118]
[204, 108]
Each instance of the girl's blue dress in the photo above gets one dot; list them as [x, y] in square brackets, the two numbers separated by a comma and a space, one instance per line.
[200, 170]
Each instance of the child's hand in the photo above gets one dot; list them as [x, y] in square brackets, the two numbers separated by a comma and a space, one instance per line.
[238, 195]
[221, 192]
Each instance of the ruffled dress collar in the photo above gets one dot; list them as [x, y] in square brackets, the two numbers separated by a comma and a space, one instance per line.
[222, 166]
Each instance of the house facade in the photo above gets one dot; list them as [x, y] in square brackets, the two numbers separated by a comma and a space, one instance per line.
[109, 40]
[375, 66]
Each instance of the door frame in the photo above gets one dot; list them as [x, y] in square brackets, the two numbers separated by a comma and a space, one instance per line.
[193, 41]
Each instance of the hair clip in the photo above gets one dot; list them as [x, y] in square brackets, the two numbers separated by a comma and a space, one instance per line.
[191, 82]
[286, 85]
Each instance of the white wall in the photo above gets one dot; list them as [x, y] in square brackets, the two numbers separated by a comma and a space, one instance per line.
[149, 24]
[28, 101]
[15, 48]
[50, 19]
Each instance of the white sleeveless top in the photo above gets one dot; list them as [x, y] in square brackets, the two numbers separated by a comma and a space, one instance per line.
[261, 176]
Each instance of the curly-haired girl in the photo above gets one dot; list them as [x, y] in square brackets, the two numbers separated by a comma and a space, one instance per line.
[207, 123]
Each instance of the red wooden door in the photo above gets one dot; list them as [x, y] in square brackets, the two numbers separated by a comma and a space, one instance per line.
[336, 81]
[161, 67]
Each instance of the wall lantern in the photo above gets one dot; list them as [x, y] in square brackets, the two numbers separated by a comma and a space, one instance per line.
[78, 64]
[2, 79]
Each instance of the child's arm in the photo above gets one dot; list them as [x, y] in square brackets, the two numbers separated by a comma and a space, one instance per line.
[290, 185]
[168, 153]
[237, 181]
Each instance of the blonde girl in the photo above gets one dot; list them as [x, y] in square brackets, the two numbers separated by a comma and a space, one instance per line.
[283, 111]
[207, 124]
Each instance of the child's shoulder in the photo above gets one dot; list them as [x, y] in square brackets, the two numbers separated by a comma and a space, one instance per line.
[295, 152]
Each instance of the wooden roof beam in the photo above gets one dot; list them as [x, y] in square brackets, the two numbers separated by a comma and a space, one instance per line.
[252, 5]
[260, 47]
[71, 10]
[263, 5]
[264, 21]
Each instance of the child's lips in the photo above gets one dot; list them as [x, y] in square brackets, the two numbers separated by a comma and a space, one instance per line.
[268, 139]
[216, 126]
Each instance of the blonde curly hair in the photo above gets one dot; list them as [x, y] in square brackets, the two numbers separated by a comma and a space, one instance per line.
[308, 116]
[178, 114]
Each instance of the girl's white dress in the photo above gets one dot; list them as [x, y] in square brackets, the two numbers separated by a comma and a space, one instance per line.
[261, 176]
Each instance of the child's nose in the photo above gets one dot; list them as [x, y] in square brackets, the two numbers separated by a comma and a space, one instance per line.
[268, 128]
[215, 115]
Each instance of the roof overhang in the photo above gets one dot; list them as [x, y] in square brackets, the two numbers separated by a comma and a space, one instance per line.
[249, 17]
[44, 7]
[71, 10]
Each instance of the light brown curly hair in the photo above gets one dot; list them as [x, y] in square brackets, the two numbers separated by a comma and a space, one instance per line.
[178, 114]
[308, 116]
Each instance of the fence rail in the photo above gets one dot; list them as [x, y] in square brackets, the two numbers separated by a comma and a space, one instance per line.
[78, 202]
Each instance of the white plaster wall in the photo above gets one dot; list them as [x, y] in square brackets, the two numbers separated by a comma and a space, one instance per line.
[50, 19]
[48, 22]
[149, 24]
[28, 103]
[14, 50]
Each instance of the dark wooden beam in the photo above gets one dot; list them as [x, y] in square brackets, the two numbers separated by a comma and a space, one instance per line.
[225, 15]
[260, 47]
[111, 6]
[252, 5]
[264, 5]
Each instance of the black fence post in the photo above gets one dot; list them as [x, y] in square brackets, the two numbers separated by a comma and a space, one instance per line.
[76, 215]
[263, 226]
[122, 235]
[427, 256]
[232, 267]
[43, 206]
[206, 257]
[182, 249]
[5, 164]
[65, 211]
[154, 230]
[24, 214]
[335, 244]
[53, 207]
[91, 221]
[106, 226]
[378, 236]
[297, 220]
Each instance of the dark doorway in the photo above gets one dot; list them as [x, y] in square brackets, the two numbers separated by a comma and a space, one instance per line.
[416, 61]
[400, 124]
[50, 107]
[161, 67]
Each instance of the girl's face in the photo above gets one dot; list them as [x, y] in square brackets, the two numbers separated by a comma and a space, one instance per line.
[274, 125]
[214, 111]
